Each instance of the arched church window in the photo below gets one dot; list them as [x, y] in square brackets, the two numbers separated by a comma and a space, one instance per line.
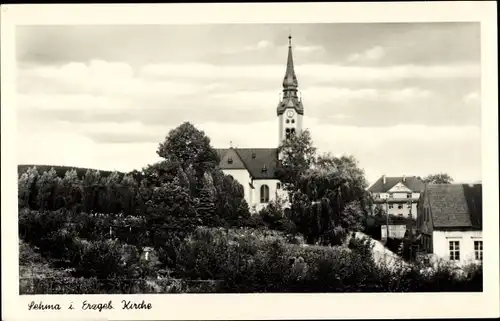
[264, 194]
[287, 133]
[287, 121]
[293, 121]
[293, 131]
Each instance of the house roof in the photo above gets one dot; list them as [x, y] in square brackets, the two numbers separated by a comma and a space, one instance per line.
[455, 205]
[412, 182]
[255, 160]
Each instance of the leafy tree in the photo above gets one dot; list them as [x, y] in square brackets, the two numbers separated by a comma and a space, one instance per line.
[110, 193]
[186, 145]
[296, 156]
[128, 192]
[183, 178]
[273, 215]
[46, 186]
[229, 196]
[92, 177]
[169, 207]
[331, 201]
[27, 186]
[91, 183]
[441, 178]
[206, 205]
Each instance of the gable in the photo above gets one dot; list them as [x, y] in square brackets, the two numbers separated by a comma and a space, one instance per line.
[400, 187]
[229, 159]
[414, 183]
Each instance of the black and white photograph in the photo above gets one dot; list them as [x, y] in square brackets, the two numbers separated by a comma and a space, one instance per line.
[250, 158]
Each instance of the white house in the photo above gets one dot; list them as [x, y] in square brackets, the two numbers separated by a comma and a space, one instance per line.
[255, 168]
[450, 222]
[398, 196]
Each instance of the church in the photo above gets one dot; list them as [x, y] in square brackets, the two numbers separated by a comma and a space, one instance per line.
[255, 168]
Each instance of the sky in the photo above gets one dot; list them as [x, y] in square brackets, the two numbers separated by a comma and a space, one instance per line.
[403, 99]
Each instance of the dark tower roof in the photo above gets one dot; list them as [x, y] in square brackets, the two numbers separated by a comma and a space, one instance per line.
[290, 85]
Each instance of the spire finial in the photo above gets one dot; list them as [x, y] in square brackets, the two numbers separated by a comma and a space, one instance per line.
[289, 38]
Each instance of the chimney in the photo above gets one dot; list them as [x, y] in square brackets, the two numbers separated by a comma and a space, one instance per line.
[383, 179]
[404, 179]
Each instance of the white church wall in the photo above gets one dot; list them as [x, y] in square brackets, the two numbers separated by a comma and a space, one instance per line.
[274, 192]
[243, 177]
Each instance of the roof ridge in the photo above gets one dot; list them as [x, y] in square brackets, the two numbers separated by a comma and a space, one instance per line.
[242, 160]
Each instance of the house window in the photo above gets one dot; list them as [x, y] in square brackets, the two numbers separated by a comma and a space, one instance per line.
[408, 195]
[400, 206]
[264, 194]
[278, 185]
[377, 195]
[391, 206]
[454, 251]
[478, 250]
[229, 160]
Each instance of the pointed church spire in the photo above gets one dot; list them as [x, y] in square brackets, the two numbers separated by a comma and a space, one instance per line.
[289, 98]
[290, 80]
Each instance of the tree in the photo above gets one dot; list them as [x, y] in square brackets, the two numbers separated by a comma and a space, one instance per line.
[128, 194]
[296, 156]
[26, 186]
[170, 214]
[183, 178]
[206, 206]
[186, 145]
[91, 183]
[441, 178]
[331, 200]
[46, 187]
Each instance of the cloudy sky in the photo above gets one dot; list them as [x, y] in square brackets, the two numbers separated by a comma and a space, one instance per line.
[401, 98]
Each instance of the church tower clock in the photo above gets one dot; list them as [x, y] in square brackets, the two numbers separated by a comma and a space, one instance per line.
[290, 110]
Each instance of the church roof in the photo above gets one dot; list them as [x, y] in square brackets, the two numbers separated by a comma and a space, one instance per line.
[290, 79]
[290, 85]
[260, 162]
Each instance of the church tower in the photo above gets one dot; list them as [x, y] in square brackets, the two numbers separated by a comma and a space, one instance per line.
[290, 110]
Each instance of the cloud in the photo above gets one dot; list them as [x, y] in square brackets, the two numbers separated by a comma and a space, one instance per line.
[329, 94]
[310, 73]
[372, 54]
[99, 91]
[472, 98]
[308, 49]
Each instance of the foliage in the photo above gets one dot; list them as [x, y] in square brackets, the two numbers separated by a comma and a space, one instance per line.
[186, 145]
[248, 261]
[440, 178]
[206, 203]
[273, 217]
[331, 200]
[296, 156]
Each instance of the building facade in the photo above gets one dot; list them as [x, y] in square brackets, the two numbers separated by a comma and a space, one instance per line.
[450, 222]
[255, 168]
[398, 196]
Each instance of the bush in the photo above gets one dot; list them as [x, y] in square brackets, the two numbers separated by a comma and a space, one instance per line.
[261, 261]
